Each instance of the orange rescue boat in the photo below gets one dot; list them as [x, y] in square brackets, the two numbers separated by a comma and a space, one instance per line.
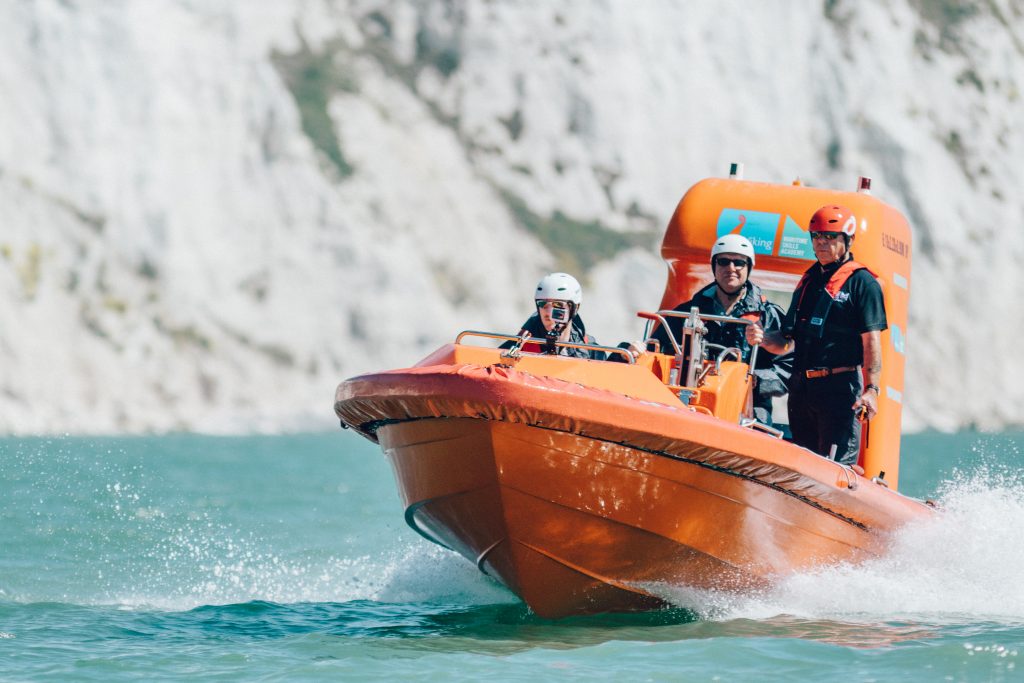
[591, 486]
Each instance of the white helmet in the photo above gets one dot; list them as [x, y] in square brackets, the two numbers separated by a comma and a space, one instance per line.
[734, 244]
[559, 287]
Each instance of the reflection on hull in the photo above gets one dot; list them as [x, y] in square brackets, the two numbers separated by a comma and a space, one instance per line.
[574, 524]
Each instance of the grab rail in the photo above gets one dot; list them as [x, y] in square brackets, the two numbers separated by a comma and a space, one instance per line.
[534, 340]
[660, 316]
[707, 316]
[655, 317]
[761, 427]
[725, 352]
[693, 367]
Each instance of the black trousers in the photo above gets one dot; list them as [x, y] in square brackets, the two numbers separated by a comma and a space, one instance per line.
[821, 414]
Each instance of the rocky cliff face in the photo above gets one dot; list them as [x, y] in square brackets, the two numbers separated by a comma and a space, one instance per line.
[215, 211]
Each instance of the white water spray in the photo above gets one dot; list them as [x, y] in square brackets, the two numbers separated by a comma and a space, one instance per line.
[963, 564]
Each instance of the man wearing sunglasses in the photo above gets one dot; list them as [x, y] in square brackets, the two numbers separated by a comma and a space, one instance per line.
[835, 320]
[732, 293]
[558, 298]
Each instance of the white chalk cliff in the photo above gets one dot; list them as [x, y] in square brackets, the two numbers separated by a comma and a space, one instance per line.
[214, 211]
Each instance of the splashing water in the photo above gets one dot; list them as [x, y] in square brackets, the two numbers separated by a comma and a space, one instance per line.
[288, 558]
[119, 530]
[115, 525]
[964, 563]
[217, 572]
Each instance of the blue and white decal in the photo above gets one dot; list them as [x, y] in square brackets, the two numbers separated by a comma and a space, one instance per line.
[761, 228]
[795, 242]
[899, 340]
[757, 226]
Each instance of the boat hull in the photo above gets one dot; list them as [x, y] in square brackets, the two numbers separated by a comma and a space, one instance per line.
[577, 525]
[582, 501]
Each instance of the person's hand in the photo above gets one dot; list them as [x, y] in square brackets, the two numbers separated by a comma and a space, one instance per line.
[754, 333]
[634, 348]
[866, 407]
[637, 348]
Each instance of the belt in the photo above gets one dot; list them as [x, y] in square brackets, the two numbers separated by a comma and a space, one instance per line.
[825, 372]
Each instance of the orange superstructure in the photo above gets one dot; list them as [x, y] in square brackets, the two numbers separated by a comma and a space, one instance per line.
[774, 218]
[588, 486]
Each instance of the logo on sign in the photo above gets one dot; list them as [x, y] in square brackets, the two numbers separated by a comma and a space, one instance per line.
[795, 242]
[761, 228]
[758, 227]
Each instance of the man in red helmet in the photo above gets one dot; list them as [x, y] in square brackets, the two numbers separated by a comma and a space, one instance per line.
[835, 320]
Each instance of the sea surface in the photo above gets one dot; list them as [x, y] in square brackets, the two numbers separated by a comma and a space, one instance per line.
[287, 558]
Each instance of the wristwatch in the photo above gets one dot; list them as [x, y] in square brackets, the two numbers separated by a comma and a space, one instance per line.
[875, 387]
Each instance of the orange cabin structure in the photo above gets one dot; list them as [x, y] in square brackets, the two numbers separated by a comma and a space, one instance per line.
[774, 219]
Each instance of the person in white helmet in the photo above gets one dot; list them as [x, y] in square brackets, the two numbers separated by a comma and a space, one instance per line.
[558, 297]
[732, 293]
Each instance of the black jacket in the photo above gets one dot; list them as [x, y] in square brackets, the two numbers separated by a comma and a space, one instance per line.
[577, 335]
[772, 371]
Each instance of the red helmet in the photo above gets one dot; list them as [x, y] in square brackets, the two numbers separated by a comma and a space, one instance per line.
[833, 218]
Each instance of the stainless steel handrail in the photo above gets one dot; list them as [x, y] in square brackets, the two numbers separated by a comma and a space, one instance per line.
[721, 356]
[728, 319]
[706, 316]
[761, 427]
[694, 328]
[487, 335]
[659, 319]
[723, 350]
[534, 340]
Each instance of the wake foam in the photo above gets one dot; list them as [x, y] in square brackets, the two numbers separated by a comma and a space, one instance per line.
[963, 564]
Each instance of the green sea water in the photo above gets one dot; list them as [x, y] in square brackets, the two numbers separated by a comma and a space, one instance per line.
[287, 558]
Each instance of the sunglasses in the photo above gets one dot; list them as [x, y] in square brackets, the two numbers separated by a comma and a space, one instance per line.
[830, 236]
[541, 303]
[722, 262]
